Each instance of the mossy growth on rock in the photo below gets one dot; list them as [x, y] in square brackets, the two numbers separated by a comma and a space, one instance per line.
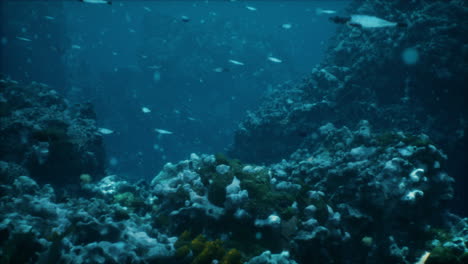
[391, 138]
[445, 255]
[442, 254]
[200, 250]
[263, 198]
[179, 197]
[85, 178]
[216, 182]
[129, 200]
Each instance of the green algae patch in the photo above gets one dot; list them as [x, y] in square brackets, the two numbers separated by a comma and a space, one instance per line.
[128, 199]
[200, 250]
[263, 198]
[444, 255]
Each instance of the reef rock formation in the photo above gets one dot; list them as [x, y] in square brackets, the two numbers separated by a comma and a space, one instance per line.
[42, 136]
[360, 197]
[411, 78]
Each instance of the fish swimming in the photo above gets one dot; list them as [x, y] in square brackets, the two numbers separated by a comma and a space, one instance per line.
[145, 110]
[423, 258]
[365, 21]
[236, 62]
[162, 131]
[286, 25]
[251, 8]
[320, 11]
[185, 18]
[105, 131]
[370, 22]
[109, 2]
[275, 60]
[24, 39]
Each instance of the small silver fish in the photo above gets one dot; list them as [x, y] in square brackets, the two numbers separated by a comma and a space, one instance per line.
[320, 11]
[365, 21]
[163, 132]
[236, 62]
[76, 46]
[24, 39]
[286, 26]
[145, 110]
[105, 131]
[275, 60]
[49, 17]
[251, 8]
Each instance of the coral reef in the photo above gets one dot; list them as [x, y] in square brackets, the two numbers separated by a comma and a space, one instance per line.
[356, 173]
[360, 197]
[359, 191]
[364, 77]
[42, 136]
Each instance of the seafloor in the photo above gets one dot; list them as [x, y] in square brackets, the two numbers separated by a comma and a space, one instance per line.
[360, 167]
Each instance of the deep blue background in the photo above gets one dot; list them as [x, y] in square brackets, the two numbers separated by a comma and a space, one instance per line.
[108, 55]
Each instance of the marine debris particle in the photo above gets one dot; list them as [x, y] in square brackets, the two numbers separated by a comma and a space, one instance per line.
[163, 131]
[76, 47]
[286, 26]
[275, 60]
[220, 69]
[105, 131]
[410, 56]
[156, 76]
[235, 62]
[49, 17]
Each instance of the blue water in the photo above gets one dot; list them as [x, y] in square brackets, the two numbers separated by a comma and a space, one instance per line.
[108, 55]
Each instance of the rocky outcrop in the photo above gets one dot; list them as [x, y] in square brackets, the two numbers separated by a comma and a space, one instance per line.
[44, 137]
[360, 197]
[410, 78]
